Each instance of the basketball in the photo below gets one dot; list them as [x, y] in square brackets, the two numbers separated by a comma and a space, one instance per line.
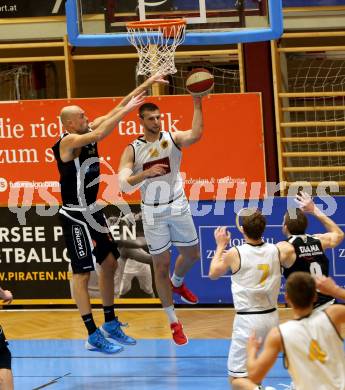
[199, 82]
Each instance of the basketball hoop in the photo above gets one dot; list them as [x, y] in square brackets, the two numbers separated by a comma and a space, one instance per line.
[156, 41]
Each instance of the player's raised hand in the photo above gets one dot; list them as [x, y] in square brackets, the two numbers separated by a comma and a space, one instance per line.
[222, 236]
[135, 101]
[305, 202]
[157, 78]
[197, 99]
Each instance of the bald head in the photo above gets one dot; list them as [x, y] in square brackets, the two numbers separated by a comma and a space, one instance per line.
[68, 112]
[73, 119]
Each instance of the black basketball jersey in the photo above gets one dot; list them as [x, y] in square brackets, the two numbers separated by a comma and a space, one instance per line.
[77, 175]
[310, 258]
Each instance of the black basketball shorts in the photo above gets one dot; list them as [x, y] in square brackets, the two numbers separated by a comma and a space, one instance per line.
[85, 244]
[5, 353]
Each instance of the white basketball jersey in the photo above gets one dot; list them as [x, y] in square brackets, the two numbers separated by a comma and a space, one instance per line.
[314, 353]
[255, 286]
[164, 188]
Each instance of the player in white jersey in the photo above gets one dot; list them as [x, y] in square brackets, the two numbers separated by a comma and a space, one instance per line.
[255, 285]
[311, 342]
[153, 163]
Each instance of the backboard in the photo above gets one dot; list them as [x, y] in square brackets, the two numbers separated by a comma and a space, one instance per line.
[209, 22]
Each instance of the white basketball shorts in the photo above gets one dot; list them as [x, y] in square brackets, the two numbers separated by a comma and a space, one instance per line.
[170, 224]
[243, 327]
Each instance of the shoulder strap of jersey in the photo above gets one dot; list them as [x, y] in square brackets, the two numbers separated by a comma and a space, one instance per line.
[172, 138]
[295, 237]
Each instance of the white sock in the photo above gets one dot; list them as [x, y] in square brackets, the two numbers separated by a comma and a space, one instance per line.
[170, 311]
[177, 280]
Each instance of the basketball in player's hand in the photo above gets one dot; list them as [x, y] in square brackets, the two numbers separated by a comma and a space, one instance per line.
[199, 82]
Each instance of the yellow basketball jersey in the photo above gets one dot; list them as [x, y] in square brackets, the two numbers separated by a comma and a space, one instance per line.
[255, 286]
[314, 353]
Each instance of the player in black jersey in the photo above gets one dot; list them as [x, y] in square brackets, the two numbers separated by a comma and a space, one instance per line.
[86, 233]
[309, 255]
[6, 377]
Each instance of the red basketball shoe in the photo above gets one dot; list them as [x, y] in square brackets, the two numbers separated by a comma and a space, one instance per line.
[177, 333]
[186, 295]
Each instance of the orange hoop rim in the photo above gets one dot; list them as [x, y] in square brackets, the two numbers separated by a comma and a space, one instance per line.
[156, 23]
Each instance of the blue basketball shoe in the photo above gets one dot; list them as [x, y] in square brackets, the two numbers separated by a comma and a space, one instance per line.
[114, 331]
[97, 342]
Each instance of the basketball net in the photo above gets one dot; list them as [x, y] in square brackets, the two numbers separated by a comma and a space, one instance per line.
[156, 41]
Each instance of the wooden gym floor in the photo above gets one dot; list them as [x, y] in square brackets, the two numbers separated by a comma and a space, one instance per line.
[48, 352]
[143, 324]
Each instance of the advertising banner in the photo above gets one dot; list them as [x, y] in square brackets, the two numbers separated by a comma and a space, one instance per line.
[26, 8]
[33, 258]
[34, 263]
[228, 161]
[313, 3]
[209, 215]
